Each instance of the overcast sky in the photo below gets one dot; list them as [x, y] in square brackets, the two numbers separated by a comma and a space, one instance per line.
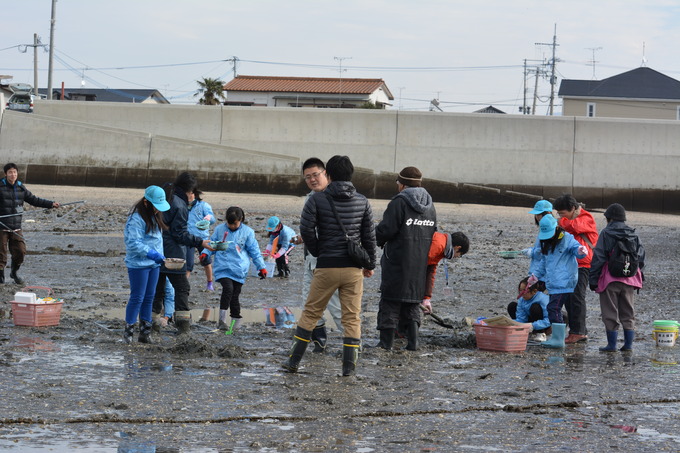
[468, 54]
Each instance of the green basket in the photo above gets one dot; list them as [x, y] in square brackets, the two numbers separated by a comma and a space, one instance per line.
[510, 254]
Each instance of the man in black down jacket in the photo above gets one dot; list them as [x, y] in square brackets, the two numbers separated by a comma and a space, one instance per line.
[175, 241]
[13, 194]
[405, 233]
[335, 270]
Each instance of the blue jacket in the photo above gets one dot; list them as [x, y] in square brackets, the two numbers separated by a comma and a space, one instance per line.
[234, 262]
[524, 305]
[559, 269]
[138, 242]
[197, 212]
[285, 236]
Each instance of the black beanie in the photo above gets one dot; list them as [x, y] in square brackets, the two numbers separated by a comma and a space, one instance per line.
[615, 212]
[410, 176]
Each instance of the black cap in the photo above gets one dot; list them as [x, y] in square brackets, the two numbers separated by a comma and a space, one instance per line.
[615, 212]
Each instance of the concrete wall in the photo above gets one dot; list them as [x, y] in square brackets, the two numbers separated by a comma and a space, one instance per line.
[467, 157]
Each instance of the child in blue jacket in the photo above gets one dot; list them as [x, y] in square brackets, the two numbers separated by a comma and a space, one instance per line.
[143, 258]
[281, 240]
[531, 307]
[557, 264]
[201, 218]
[231, 266]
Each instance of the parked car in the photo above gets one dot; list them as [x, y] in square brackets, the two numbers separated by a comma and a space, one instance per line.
[22, 99]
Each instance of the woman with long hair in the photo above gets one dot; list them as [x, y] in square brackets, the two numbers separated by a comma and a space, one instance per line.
[144, 255]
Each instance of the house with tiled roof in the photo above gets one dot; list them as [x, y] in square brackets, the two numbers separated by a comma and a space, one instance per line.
[640, 93]
[136, 96]
[315, 92]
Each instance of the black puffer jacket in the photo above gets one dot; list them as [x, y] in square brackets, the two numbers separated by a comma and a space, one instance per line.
[176, 238]
[406, 232]
[321, 232]
[12, 198]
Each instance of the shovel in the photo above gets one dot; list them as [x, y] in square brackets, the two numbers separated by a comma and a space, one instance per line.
[438, 320]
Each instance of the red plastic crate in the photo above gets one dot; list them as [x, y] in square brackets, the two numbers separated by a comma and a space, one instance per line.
[36, 315]
[502, 338]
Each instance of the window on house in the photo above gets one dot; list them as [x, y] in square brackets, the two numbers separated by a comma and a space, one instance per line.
[590, 109]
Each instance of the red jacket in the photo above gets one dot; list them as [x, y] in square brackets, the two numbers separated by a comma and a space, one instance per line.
[583, 225]
[433, 257]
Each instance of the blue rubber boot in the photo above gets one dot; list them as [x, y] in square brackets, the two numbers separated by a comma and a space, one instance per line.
[556, 340]
[612, 337]
[628, 338]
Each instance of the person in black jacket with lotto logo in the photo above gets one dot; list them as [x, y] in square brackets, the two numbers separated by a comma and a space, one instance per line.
[405, 233]
[13, 194]
[335, 271]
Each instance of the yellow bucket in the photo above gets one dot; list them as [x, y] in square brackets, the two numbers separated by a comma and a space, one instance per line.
[665, 337]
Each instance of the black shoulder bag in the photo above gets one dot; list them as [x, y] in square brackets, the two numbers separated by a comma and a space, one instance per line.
[356, 252]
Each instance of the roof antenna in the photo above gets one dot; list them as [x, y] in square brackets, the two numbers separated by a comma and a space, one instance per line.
[644, 59]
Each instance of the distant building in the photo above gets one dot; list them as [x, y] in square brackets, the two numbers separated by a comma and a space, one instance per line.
[640, 93]
[108, 95]
[307, 92]
[489, 109]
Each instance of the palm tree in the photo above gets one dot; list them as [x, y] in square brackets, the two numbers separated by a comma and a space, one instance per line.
[211, 91]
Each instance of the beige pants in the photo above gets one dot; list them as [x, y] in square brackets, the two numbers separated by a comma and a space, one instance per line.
[349, 282]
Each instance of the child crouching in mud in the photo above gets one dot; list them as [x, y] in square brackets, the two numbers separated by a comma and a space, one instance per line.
[231, 265]
[531, 307]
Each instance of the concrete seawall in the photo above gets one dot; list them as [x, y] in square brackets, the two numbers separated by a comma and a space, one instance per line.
[500, 159]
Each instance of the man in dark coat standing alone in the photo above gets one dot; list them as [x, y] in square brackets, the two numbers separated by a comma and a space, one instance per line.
[13, 194]
[405, 233]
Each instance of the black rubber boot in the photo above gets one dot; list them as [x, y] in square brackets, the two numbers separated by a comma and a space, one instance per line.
[183, 322]
[612, 337]
[319, 338]
[301, 340]
[350, 355]
[628, 338]
[2, 275]
[128, 333]
[14, 276]
[386, 339]
[145, 332]
[412, 336]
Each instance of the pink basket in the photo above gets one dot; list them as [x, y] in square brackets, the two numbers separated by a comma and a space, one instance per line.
[502, 338]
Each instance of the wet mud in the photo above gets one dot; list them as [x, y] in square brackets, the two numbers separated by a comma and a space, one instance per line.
[77, 386]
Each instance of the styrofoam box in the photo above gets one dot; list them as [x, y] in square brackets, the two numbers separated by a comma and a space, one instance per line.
[27, 298]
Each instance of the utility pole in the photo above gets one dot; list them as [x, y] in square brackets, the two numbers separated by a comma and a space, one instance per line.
[526, 110]
[234, 62]
[553, 61]
[23, 48]
[51, 64]
[339, 60]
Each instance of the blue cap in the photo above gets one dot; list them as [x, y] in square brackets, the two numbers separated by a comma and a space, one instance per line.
[541, 206]
[546, 227]
[156, 196]
[272, 223]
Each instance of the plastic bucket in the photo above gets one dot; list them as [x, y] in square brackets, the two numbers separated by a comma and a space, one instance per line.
[665, 337]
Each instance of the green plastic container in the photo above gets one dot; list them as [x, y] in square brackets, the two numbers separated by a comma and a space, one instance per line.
[667, 324]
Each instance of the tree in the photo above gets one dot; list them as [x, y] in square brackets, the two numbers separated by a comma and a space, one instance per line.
[211, 90]
[370, 105]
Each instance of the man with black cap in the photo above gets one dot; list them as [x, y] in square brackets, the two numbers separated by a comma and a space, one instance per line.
[617, 291]
[405, 233]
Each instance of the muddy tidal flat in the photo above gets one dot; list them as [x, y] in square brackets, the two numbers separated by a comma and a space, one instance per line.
[77, 386]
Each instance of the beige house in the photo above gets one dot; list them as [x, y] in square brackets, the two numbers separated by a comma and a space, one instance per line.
[307, 92]
[640, 93]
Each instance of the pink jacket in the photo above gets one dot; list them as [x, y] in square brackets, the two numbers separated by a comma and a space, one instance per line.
[606, 278]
